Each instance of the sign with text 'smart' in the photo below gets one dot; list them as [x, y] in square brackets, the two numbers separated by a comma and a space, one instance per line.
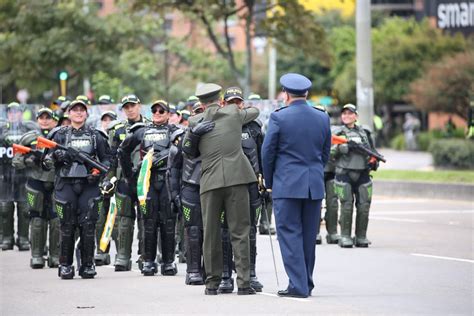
[455, 15]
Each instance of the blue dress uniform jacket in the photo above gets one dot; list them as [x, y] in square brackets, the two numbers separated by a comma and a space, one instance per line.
[295, 151]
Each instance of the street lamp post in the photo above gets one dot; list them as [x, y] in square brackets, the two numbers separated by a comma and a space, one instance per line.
[364, 83]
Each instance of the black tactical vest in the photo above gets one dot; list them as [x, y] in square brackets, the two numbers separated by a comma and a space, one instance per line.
[191, 172]
[249, 146]
[83, 140]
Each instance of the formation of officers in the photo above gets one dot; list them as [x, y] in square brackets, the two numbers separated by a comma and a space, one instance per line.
[206, 187]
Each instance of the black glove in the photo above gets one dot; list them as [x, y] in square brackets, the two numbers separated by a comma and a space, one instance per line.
[61, 155]
[31, 161]
[108, 186]
[177, 204]
[203, 127]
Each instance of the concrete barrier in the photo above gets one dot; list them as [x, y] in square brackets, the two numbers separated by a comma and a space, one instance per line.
[444, 191]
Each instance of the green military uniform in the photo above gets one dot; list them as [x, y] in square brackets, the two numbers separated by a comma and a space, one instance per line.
[353, 181]
[226, 173]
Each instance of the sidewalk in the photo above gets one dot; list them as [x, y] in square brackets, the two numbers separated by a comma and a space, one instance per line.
[419, 161]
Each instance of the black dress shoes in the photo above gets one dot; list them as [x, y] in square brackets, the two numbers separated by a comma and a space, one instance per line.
[286, 293]
[246, 291]
[210, 291]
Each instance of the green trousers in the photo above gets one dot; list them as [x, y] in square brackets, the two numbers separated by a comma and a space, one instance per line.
[234, 200]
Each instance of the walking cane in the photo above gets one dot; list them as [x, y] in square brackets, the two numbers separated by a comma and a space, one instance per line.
[264, 206]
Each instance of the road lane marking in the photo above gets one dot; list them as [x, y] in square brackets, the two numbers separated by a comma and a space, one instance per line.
[441, 257]
[288, 298]
[404, 220]
[420, 212]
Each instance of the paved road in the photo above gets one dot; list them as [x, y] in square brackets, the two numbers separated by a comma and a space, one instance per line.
[421, 262]
[406, 160]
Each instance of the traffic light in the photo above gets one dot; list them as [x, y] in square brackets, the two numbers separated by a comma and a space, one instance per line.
[63, 75]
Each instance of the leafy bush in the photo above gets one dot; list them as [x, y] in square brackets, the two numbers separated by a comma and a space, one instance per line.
[453, 153]
[425, 139]
[398, 142]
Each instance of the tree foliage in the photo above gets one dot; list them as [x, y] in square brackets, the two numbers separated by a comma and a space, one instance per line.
[401, 51]
[445, 86]
[282, 21]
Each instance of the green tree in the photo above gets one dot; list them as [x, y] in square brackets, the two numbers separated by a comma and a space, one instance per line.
[215, 17]
[401, 50]
[445, 86]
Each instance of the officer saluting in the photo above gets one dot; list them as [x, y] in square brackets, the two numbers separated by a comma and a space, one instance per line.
[294, 153]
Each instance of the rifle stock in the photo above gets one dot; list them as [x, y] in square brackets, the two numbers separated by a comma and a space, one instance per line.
[23, 150]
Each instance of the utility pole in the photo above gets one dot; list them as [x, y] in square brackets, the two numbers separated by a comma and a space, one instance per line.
[364, 83]
[272, 57]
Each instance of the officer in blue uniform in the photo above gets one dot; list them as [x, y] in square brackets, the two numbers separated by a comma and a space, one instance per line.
[294, 153]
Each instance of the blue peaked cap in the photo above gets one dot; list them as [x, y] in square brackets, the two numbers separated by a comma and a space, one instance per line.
[295, 83]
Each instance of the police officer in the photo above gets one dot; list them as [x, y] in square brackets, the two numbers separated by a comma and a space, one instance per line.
[12, 184]
[125, 195]
[77, 198]
[157, 214]
[353, 181]
[332, 204]
[252, 139]
[184, 178]
[39, 188]
[105, 99]
[106, 118]
[226, 173]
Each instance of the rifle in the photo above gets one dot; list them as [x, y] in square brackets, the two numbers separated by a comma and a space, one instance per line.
[337, 140]
[78, 155]
[23, 150]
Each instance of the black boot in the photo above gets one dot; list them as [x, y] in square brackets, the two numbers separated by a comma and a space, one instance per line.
[66, 251]
[38, 242]
[66, 272]
[149, 252]
[193, 239]
[23, 240]
[149, 268]
[87, 269]
[254, 282]
[227, 282]
[168, 245]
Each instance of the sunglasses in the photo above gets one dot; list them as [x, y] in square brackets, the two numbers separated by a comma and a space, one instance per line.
[161, 111]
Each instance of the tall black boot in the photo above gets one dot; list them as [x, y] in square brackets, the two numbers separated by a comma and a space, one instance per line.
[87, 269]
[227, 282]
[193, 256]
[149, 249]
[168, 245]
[254, 282]
[66, 251]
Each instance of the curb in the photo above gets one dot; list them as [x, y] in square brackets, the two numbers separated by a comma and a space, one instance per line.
[429, 190]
